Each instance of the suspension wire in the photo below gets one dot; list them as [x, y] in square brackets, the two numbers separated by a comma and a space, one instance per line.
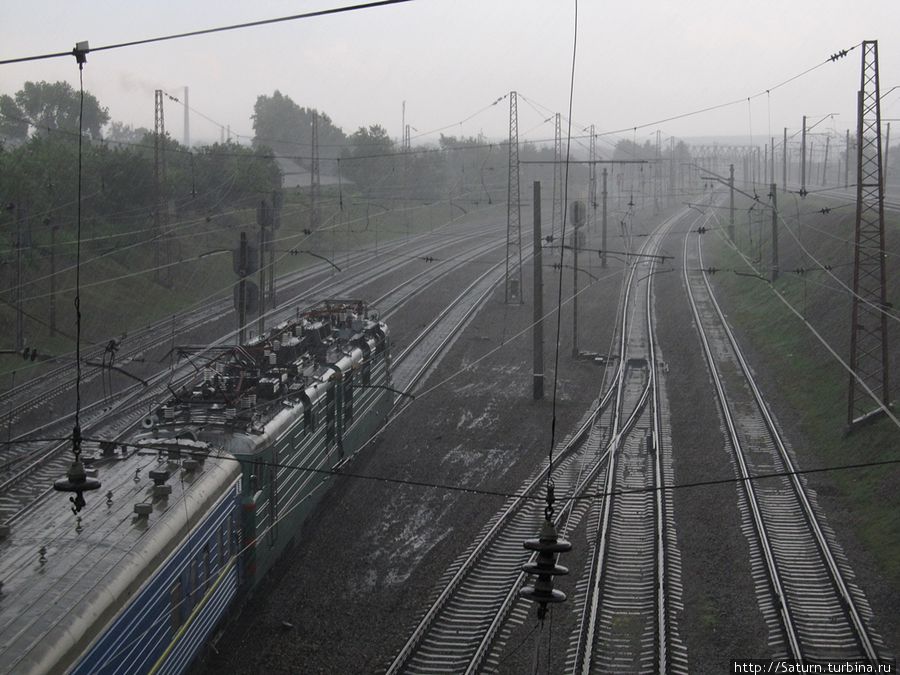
[505, 494]
[76, 431]
[560, 288]
[207, 31]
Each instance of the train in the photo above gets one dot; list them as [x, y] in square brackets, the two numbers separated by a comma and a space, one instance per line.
[198, 504]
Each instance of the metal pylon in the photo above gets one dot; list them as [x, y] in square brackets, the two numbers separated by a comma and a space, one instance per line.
[161, 213]
[868, 327]
[592, 180]
[557, 178]
[513, 291]
[315, 210]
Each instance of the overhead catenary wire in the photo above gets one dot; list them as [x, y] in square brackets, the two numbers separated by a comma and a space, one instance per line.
[563, 238]
[831, 350]
[209, 31]
[506, 494]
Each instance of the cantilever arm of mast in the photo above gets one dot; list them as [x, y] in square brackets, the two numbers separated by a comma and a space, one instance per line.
[588, 161]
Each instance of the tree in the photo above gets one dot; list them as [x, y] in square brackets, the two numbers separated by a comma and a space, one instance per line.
[286, 128]
[119, 133]
[369, 161]
[13, 127]
[50, 106]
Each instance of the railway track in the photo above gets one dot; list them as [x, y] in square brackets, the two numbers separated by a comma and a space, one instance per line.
[23, 399]
[805, 588]
[479, 590]
[476, 604]
[626, 613]
[33, 465]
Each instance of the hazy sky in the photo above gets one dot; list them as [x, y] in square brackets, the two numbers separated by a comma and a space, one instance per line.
[637, 62]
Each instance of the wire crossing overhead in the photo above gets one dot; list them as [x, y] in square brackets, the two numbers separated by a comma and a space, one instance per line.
[513, 291]
[868, 327]
[81, 50]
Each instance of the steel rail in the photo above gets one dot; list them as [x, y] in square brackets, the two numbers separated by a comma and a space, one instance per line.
[758, 522]
[847, 599]
[596, 569]
[123, 399]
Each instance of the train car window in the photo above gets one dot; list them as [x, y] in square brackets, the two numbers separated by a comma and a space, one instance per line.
[206, 566]
[256, 476]
[192, 584]
[223, 544]
[329, 415]
[175, 605]
[348, 399]
[234, 533]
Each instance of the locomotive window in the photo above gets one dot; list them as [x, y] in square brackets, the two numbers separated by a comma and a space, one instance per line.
[233, 543]
[175, 604]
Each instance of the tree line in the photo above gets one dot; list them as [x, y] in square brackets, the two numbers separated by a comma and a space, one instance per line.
[39, 163]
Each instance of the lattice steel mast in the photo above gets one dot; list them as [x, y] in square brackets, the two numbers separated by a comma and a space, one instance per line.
[315, 212]
[557, 178]
[868, 326]
[161, 214]
[592, 180]
[513, 291]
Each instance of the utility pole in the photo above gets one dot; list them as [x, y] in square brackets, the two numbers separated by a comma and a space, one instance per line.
[243, 268]
[603, 231]
[578, 213]
[656, 174]
[161, 215]
[672, 174]
[20, 319]
[812, 164]
[538, 316]
[592, 180]
[315, 213]
[803, 160]
[774, 196]
[262, 219]
[187, 119]
[784, 161]
[407, 147]
[513, 292]
[869, 361]
[825, 161]
[731, 202]
[847, 162]
[887, 149]
[52, 321]
[275, 224]
[557, 178]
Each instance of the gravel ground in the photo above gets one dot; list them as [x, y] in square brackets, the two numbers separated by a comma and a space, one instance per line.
[721, 619]
[364, 566]
[367, 561]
